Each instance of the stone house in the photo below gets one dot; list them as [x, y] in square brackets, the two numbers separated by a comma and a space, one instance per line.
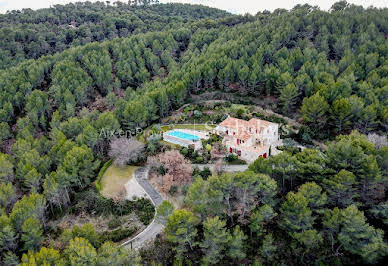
[248, 139]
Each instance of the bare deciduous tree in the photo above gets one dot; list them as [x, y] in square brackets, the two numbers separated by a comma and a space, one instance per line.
[125, 150]
[171, 168]
[218, 167]
[377, 140]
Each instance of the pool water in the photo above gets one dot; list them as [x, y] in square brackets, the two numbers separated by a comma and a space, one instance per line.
[183, 135]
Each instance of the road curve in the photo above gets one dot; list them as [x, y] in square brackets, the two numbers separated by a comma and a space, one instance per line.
[154, 228]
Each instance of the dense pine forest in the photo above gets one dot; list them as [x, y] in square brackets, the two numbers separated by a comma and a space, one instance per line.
[70, 72]
[29, 34]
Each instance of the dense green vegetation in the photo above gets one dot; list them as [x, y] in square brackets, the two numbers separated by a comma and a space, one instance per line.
[328, 67]
[309, 208]
[329, 70]
[29, 34]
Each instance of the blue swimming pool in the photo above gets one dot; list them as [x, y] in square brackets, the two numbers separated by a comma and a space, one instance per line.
[183, 135]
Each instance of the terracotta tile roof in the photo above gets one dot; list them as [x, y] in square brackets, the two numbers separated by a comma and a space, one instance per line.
[236, 123]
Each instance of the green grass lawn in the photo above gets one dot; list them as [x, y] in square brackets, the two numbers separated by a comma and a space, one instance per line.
[115, 179]
[189, 126]
[172, 145]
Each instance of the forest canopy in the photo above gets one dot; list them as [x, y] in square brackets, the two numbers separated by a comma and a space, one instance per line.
[70, 72]
[28, 34]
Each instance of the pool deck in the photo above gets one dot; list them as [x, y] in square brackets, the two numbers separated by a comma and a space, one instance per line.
[185, 142]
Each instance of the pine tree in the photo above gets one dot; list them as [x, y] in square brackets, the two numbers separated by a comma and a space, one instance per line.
[236, 246]
[164, 210]
[80, 252]
[215, 241]
[32, 235]
[341, 189]
[181, 231]
[46, 256]
[288, 97]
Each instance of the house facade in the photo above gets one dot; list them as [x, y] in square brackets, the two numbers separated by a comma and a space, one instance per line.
[248, 139]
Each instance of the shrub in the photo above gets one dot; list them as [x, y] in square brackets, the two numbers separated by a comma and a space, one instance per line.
[86, 231]
[117, 235]
[304, 135]
[205, 173]
[240, 112]
[271, 118]
[173, 190]
[114, 223]
[184, 189]
[101, 173]
[184, 151]
[156, 128]
[199, 159]
[153, 145]
[93, 203]
[231, 157]
[145, 210]
[238, 162]
[227, 104]
[197, 114]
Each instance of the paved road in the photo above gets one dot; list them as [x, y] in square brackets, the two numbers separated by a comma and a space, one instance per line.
[153, 228]
[141, 176]
[227, 167]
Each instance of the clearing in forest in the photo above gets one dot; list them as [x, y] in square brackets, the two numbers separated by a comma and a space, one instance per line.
[114, 180]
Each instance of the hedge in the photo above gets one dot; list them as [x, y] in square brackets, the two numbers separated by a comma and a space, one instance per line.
[117, 235]
[101, 173]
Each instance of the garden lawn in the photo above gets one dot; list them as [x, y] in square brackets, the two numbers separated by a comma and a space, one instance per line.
[115, 178]
[189, 126]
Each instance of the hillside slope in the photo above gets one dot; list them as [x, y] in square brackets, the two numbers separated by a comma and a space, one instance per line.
[331, 68]
[29, 34]
[328, 70]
